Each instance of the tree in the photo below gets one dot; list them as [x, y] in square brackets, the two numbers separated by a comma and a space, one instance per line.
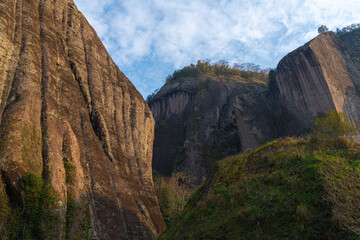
[152, 95]
[323, 29]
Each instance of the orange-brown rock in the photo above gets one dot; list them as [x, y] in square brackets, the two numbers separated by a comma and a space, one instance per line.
[64, 102]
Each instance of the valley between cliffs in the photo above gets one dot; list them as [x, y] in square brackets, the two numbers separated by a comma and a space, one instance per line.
[77, 146]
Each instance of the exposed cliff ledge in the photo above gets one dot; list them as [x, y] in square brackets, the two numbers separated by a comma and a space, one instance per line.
[173, 103]
[68, 112]
[200, 121]
[317, 77]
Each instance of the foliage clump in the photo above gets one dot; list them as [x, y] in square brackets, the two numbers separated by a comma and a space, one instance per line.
[152, 95]
[323, 29]
[222, 68]
[348, 29]
[34, 217]
[173, 193]
[334, 125]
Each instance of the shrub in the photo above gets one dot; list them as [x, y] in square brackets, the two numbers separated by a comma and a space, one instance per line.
[39, 205]
[35, 217]
[334, 125]
[173, 193]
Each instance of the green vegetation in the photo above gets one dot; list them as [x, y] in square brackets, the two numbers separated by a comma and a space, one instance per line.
[237, 72]
[77, 213]
[286, 189]
[33, 211]
[33, 147]
[304, 188]
[334, 124]
[323, 29]
[172, 193]
[348, 29]
[152, 95]
[35, 217]
[77, 221]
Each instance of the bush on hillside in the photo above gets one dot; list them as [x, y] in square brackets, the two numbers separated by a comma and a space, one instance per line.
[334, 125]
[173, 193]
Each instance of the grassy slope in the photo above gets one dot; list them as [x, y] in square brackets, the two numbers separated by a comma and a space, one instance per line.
[286, 189]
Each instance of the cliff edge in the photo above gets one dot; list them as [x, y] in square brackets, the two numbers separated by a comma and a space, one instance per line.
[322, 75]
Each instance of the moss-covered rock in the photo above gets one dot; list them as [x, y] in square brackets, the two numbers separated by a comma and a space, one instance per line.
[34, 215]
[285, 189]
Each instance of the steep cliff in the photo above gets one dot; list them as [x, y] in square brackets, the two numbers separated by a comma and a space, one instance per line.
[204, 119]
[322, 75]
[72, 119]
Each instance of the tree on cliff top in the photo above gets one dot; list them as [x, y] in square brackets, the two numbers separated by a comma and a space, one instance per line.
[222, 67]
[323, 29]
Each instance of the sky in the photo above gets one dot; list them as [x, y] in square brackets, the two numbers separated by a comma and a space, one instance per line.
[149, 39]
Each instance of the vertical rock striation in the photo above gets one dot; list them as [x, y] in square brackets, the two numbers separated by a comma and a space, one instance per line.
[202, 120]
[69, 115]
[322, 75]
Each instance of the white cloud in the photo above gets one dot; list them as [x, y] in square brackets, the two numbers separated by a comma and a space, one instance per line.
[174, 33]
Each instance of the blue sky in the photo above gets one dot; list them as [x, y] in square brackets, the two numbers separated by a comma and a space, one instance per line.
[149, 39]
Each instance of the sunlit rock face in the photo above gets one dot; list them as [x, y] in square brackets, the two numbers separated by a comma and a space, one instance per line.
[322, 75]
[67, 111]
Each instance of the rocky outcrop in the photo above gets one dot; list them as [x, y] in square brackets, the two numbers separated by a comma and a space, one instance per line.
[322, 75]
[71, 117]
[203, 120]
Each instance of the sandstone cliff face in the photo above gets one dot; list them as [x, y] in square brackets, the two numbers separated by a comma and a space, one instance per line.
[201, 121]
[66, 112]
[322, 75]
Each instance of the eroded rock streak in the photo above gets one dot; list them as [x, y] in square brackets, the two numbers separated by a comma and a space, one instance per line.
[64, 102]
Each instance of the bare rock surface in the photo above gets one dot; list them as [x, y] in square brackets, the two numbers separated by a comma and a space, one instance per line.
[322, 75]
[203, 120]
[64, 102]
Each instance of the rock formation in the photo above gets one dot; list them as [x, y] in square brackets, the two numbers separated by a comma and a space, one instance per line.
[71, 117]
[203, 120]
[322, 75]
[199, 121]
